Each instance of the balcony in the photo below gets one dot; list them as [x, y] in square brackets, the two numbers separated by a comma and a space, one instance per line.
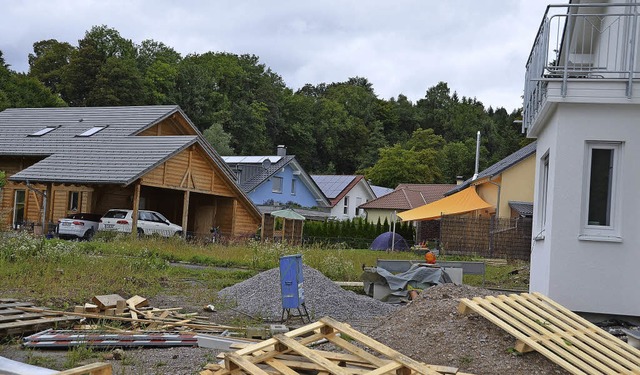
[582, 53]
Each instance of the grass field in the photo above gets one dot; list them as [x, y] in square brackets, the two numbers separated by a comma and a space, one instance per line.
[64, 273]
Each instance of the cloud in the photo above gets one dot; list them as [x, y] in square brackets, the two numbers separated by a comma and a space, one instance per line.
[478, 48]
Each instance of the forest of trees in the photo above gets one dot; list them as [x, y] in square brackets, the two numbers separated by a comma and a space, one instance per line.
[244, 108]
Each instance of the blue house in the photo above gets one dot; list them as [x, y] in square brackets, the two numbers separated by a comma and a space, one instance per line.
[277, 180]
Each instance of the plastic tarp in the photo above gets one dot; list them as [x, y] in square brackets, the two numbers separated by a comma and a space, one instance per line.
[386, 239]
[463, 201]
[385, 286]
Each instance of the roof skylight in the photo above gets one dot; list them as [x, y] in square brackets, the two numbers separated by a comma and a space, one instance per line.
[92, 131]
[42, 132]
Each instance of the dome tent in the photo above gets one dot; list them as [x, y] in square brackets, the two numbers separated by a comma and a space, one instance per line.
[386, 239]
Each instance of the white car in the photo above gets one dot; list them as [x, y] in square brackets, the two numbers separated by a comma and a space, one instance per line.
[81, 225]
[149, 222]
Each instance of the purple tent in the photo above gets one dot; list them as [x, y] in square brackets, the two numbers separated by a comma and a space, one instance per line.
[384, 241]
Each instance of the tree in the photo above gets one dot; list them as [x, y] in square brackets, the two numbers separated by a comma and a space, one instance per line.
[18, 90]
[48, 61]
[398, 165]
[219, 139]
[118, 83]
[99, 46]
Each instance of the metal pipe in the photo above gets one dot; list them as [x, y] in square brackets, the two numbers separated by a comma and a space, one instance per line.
[475, 174]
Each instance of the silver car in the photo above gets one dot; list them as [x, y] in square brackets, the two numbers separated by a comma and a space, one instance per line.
[149, 222]
[81, 225]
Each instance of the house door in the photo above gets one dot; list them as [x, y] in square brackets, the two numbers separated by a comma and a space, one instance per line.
[18, 208]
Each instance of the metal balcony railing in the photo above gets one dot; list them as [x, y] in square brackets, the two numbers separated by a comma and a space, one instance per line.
[581, 42]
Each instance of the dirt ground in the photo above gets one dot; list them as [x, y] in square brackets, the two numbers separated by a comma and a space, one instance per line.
[428, 329]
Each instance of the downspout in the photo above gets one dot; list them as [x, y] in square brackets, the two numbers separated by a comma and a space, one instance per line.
[496, 218]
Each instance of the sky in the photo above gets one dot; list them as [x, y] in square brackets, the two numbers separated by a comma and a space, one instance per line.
[479, 48]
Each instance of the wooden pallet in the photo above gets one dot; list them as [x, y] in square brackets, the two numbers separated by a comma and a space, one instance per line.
[290, 353]
[538, 323]
[14, 321]
[98, 368]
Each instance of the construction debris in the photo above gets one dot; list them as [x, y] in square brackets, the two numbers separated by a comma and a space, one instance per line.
[15, 321]
[541, 324]
[290, 353]
[60, 339]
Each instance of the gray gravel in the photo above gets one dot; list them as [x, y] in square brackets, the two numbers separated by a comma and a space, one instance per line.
[260, 296]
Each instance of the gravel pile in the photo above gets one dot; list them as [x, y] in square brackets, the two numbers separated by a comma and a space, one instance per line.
[260, 296]
[430, 330]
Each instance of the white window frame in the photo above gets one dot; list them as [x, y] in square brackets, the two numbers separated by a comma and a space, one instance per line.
[92, 131]
[276, 186]
[611, 232]
[345, 208]
[293, 186]
[543, 195]
[44, 131]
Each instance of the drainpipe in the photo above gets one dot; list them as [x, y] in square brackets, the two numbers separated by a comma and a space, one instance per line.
[496, 219]
[475, 174]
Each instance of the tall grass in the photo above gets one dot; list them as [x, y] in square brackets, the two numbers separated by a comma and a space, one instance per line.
[63, 273]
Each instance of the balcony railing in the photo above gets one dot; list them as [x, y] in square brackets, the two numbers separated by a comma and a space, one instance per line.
[578, 42]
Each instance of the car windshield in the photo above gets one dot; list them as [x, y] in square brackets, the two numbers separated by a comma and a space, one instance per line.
[115, 214]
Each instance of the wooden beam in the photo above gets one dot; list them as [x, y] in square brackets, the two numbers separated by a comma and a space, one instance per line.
[185, 213]
[235, 217]
[136, 203]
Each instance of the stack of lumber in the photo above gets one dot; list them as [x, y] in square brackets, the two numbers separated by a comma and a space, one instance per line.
[136, 312]
[292, 353]
[541, 324]
[15, 321]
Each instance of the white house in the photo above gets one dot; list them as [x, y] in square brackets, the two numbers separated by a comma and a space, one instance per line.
[345, 194]
[582, 103]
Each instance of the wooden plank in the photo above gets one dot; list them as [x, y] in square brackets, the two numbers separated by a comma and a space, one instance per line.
[590, 351]
[98, 368]
[562, 336]
[14, 304]
[137, 301]
[613, 343]
[310, 354]
[377, 346]
[107, 301]
[366, 356]
[551, 339]
[33, 322]
[270, 342]
[391, 366]
[526, 334]
[231, 360]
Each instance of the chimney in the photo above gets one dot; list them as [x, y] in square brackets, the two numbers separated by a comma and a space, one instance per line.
[459, 180]
[282, 150]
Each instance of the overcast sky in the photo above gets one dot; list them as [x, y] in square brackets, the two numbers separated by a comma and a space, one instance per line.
[402, 47]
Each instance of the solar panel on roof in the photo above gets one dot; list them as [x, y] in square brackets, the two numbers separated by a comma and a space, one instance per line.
[332, 186]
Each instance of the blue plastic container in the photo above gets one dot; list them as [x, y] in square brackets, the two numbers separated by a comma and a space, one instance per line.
[291, 281]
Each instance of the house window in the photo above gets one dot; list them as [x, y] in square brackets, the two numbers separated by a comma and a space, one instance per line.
[345, 210]
[74, 199]
[602, 172]
[42, 132]
[91, 131]
[544, 190]
[358, 203]
[18, 208]
[277, 185]
[293, 187]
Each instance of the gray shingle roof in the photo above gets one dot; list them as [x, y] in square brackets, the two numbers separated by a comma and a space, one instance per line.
[524, 209]
[119, 160]
[500, 166]
[252, 178]
[17, 123]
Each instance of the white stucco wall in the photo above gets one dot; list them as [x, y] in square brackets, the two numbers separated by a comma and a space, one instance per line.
[358, 191]
[585, 275]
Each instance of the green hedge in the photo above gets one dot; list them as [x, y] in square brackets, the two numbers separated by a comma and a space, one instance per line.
[357, 233]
